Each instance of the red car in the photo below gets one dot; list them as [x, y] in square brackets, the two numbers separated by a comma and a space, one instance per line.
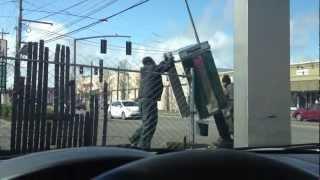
[312, 113]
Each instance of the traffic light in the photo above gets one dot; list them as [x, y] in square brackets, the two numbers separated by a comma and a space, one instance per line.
[128, 48]
[101, 70]
[103, 46]
[81, 70]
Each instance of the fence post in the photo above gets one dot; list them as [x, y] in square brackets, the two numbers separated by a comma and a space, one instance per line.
[95, 119]
[20, 112]
[56, 96]
[48, 135]
[81, 129]
[105, 114]
[76, 130]
[27, 101]
[62, 124]
[88, 130]
[32, 97]
[38, 109]
[44, 103]
[72, 112]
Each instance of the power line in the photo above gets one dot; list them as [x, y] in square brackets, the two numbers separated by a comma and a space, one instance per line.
[97, 22]
[60, 13]
[62, 10]
[94, 11]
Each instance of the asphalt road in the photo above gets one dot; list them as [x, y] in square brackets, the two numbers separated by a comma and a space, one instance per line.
[174, 129]
[171, 129]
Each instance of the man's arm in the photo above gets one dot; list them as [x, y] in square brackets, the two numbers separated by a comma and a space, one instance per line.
[165, 65]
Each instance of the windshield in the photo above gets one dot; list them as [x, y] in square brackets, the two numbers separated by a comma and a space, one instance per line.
[199, 82]
[128, 103]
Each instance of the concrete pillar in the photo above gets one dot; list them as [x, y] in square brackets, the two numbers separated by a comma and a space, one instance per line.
[261, 50]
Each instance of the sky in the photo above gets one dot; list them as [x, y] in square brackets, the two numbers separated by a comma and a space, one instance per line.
[155, 27]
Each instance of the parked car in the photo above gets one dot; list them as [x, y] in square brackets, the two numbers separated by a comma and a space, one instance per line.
[308, 114]
[124, 109]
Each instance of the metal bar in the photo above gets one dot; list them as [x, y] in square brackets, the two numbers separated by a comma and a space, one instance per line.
[44, 102]
[81, 129]
[96, 120]
[102, 36]
[56, 96]
[39, 22]
[32, 96]
[118, 79]
[67, 90]
[48, 136]
[76, 130]
[71, 126]
[39, 98]
[65, 130]
[27, 99]
[20, 113]
[89, 66]
[62, 129]
[105, 114]
[192, 22]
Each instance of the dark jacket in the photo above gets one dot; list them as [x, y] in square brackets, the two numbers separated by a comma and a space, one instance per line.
[151, 85]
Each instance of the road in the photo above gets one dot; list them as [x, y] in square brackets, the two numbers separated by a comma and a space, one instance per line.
[172, 129]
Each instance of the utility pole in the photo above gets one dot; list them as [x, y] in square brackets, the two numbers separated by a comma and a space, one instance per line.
[118, 79]
[18, 42]
[3, 33]
[191, 89]
[91, 78]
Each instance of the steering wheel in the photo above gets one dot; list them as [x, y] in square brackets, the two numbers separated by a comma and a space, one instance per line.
[199, 164]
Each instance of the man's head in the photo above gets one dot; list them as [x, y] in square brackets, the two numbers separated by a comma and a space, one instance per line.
[226, 80]
[148, 61]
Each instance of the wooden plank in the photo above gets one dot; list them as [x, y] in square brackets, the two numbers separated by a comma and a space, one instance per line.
[105, 114]
[95, 120]
[81, 129]
[27, 99]
[38, 108]
[56, 96]
[32, 97]
[76, 130]
[48, 135]
[44, 102]
[20, 113]
[88, 130]
[61, 99]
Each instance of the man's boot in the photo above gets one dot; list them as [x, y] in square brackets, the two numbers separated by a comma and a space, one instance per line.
[225, 140]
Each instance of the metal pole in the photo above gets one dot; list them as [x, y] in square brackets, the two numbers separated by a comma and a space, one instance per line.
[191, 91]
[18, 42]
[91, 78]
[75, 62]
[118, 78]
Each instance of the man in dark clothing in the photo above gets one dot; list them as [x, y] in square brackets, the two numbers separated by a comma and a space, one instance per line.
[150, 92]
[224, 117]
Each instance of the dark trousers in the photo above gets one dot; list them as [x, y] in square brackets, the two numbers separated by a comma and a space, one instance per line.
[222, 126]
[143, 135]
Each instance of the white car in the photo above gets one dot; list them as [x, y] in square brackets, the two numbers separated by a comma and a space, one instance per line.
[124, 109]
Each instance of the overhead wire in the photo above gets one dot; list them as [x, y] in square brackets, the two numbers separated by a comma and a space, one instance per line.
[63, 10]
[97, 22]
[60, 13]
[90, 13]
